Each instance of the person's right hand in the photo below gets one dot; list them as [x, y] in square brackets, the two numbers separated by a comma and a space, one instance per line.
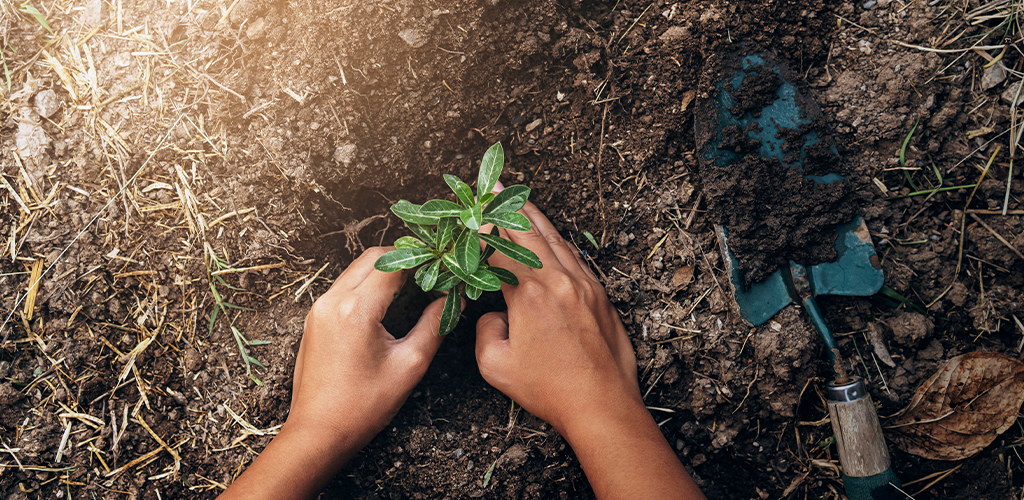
[561, 350]
[562, 353]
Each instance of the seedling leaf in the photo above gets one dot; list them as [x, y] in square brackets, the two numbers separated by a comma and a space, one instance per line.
[410, 212]
[509, 199]
[473, 292]
[485, 280]
[591, 239]
[508, 220]
[504, 275]
[472, 217]
[409, 242]
[445, 229]
[490, 169]
[513, 251]
[258, 342]
[429, 277]
[423, 232]
[467, 252]
[461, 189]
[406, 258]
[485, 199]
[440, 208]
[450, 313]
[446, 280]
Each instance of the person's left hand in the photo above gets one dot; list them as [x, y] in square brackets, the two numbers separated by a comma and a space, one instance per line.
[351, 375]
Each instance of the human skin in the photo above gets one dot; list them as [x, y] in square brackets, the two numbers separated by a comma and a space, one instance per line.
[560, 351]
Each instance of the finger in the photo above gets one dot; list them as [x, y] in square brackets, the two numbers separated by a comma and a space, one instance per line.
[562, 250]
[583, 265]
[378, 290]
[533, 240]
[423, 340]
[359, 269]
[492, 347]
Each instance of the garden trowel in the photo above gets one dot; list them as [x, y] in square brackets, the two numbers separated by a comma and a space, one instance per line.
[791, 117]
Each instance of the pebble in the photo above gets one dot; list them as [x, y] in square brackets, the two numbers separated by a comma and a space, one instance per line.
[345, 153]
[458, 453]
[1010, 93]
[93, 14]
[994, 75]
[870, 3]
[414, 38]
[47, 103]
[193, 360]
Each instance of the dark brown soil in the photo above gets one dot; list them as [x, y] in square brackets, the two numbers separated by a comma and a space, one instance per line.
[289, 127]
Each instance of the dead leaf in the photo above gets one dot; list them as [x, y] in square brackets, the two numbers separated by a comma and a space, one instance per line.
[960, 410]
[682, 276]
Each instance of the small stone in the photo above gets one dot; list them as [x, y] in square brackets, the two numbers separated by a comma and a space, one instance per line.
[514, 457]
[994, 75]
[256, 28]
[94, 11]
[533, 125]
[458, 453]
[47, 103]
[345, 153]
[674, 33]
[414, 38]
[1010, 93]
[680, 444]
[869, 4]
[193, 360]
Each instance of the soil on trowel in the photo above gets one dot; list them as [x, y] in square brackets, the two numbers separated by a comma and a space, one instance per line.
[773, 213]
[755, 93]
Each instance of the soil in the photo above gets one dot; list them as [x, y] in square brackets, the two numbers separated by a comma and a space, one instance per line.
[274, 136]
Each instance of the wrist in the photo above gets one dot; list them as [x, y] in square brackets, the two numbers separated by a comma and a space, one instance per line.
[623, 416]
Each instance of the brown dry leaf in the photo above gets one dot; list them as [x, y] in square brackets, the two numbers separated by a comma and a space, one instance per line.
[962, 408]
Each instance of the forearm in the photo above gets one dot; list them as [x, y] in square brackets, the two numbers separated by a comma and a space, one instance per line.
[625, 455]
[297, 464]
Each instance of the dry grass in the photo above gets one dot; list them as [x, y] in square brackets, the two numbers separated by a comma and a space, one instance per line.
[140, 99]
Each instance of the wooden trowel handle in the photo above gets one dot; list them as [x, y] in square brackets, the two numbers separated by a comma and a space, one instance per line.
[867, 474]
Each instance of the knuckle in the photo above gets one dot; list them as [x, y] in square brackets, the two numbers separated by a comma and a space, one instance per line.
[565, 287]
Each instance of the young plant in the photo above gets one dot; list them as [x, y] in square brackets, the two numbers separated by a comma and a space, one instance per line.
[445, 250]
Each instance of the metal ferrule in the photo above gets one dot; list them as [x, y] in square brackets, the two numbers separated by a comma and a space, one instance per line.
[854, 390]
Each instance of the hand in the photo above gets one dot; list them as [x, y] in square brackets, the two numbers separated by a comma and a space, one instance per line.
[351, 378]
[562, 353]
[351, 375]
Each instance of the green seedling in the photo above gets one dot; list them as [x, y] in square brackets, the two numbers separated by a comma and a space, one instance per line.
[903, 156]
[445, 249]
[221, 309]
[591, 239]
[28, 8]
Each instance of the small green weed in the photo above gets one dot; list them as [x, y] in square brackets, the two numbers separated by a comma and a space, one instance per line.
[221, 309]
[28, 8]
[445, 250]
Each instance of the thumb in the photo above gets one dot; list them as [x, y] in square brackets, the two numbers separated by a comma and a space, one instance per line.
[423, 339]
[492, 346]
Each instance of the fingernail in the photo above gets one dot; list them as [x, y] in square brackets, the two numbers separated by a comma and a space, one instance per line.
[498, 186]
